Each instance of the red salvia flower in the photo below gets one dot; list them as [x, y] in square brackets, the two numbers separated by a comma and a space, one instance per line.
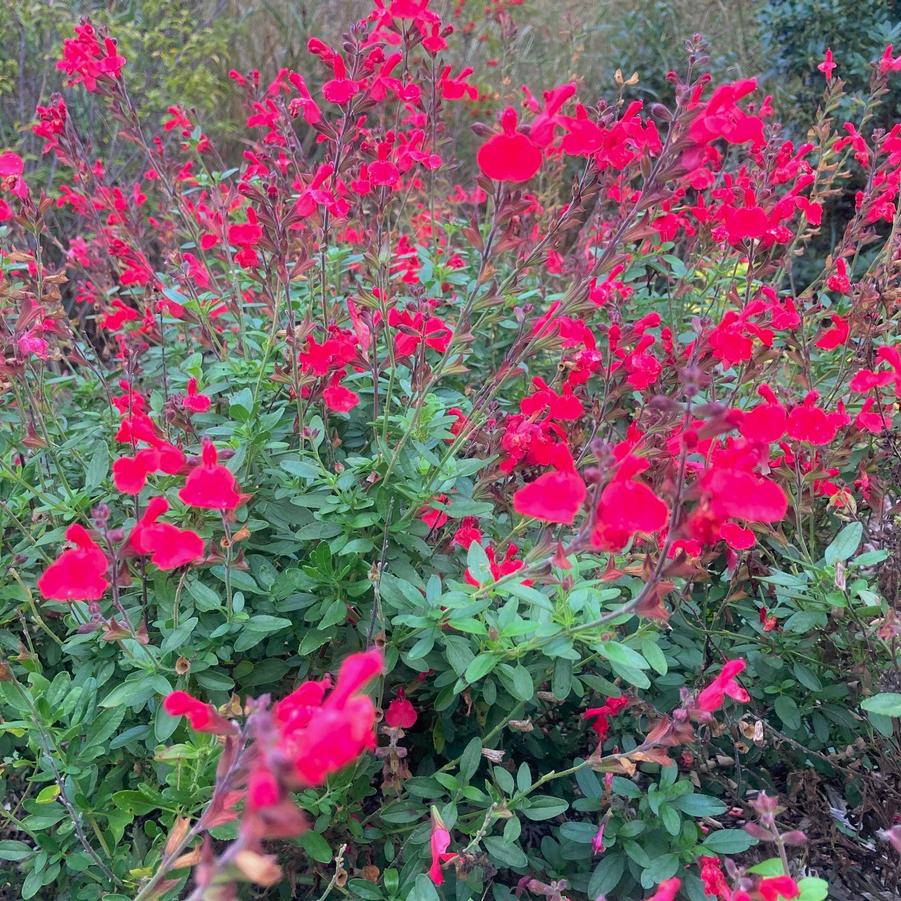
[323, 734]
[597, 841]
[210, 485]
[439, 842]
[737, 537]
[775, 888]
[552, 497]
[724, 685]
[835, 336]
[827, 66]
[78, 574]
[401, 714]
[88, 62]
[168, 546]
[713, 879]
[500, 568]
[194, 400]
[626, 507]
[667, 890]
[600, 716]
[202, 717]
[337, 397]
[511, 155]
[810, 423]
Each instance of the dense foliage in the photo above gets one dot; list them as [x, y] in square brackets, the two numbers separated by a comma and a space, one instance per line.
[384, 525]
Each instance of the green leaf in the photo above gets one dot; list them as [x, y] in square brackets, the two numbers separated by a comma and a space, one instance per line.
[10, 849]
[770, 867]
[505, 853]
[477, 563]
[98, 467]
[652, 653]
[204, 596]
[523, 687]
[523, 777]
[621, 654]
[528, 594]
[663, 866]
[423, 890]
[133, 692]
[504, 780]
[481, 666]
[699, 805]
[469, 759]
[813, 889]
[366, 891]
[887, 703]
[47, 794]
[316, 846]
[607, 875]
[787, 711]
[581, 833]
[728, 841]
[845, 544]
[179, 636]
[257, 628]
[671, 820]
[240, 405]
[512, 829]
[544, 807]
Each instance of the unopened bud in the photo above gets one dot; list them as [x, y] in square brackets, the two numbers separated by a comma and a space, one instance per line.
[795, 837]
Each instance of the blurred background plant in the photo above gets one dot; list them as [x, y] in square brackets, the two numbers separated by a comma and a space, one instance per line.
[183, 51]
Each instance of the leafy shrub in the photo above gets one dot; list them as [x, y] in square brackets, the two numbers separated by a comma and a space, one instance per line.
[584, 498]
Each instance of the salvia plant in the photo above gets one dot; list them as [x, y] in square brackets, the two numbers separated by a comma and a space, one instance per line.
[387, 522]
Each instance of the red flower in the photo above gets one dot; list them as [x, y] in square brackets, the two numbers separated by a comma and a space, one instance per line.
[439, 842]
[737, 537]
[601, 715]
[768, 622]
[744, 495]
[776, 887]
[468, 532]
[764, 423]
[552, 497]
[713, 879]
[78, 574]
[202, 717]
[502, 568]
[835, 336]
[872, 422]
[667, 890]
[435, 517]
[11, 164]
[721, 117]
[597, 842]
[130, 473]
[401, 714]
[209, 485]
[193, 400]
[627, 507]
[86, 61]
[337, 398]
[262, 788]
[827, 65]
[808, 422]
[511, 155]
[839, 281]
[322, 735]
[168, 546]
[712, 697]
